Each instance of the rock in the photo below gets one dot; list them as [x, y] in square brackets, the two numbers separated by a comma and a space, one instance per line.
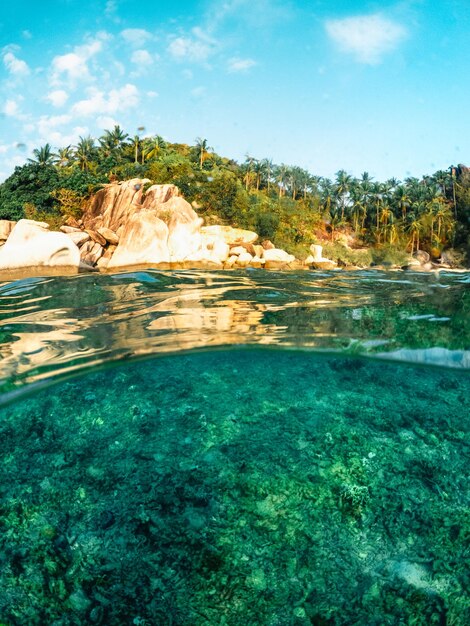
[90, 252]
[70, 229]
[31, 244]
[324, 264]
[96, 237]
[316, 260]
[113, 205]
[278, 255]
[259, 250]
[268, 245]
[109, 235]
[143, 241]
[412, 264]
[220, 251]
[184, 236]
[103, 262]
[249, 247]
[231, 261]
[237, 250]
[230, 235]
[159, 194]
[244, 259]
[317, 252]
[6, 226]
[73, 223]
[79, 237]
[257, 261]
[422, 256]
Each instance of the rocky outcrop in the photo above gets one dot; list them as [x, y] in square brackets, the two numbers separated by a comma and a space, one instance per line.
[316, 260]
[129, 224]
[113, 205]
[31, 244]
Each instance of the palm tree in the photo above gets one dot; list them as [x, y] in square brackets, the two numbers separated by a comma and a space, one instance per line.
[414, 228]
[43, 155]
[268, 167]
[118, 136]
[203, 148]
[85, 152]
[327, 194]
[65, 156]
[282, 175]
[135, 144]
[155, 146]
[343, 186]
[247, 169]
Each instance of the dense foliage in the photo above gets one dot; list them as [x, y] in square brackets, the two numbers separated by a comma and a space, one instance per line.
[284, 203]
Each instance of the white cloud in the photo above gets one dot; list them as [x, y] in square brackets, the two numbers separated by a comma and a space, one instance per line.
[47, 124]
[368, 37]
[240, 65]
[100, 103]
[197, 48]
[142, 57]
[14, 65]
[152, 94]
[57, 97]
[105, 121]
[136, 36]
[11, 109]
[73, 66]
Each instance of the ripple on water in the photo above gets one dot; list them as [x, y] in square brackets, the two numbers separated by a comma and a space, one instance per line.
[54, 326]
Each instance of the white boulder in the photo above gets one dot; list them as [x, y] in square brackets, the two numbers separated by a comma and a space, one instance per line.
[31, 244]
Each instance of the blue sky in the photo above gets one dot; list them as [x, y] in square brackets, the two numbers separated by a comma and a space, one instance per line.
[361, 86]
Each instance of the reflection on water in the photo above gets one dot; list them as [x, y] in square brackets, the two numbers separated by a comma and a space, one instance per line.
[59, 324]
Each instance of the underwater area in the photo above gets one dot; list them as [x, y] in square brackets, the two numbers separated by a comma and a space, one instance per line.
[223, 448]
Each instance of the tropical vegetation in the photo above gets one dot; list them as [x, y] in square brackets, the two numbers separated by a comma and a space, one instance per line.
[284, 203]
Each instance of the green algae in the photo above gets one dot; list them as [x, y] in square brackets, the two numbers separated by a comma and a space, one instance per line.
[255, 487]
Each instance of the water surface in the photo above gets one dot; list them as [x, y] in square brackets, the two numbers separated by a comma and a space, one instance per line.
[293, 449]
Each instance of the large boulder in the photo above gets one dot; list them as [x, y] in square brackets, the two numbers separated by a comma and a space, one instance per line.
[143, 241]
[31, 244]
[184, 230]
[113, 205]
[316, 260]
[276, 254]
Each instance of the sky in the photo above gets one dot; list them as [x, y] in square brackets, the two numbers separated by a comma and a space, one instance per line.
[361, 86]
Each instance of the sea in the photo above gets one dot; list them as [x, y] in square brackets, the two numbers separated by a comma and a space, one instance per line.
[256, 448]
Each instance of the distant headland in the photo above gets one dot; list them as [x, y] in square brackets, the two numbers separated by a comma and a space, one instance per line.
[123, 201]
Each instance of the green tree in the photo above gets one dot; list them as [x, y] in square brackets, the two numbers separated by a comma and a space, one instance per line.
[30, 184]
[43, 155]
[203, 149]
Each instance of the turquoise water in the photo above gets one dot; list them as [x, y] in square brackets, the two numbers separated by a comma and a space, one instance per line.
[197, 448]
